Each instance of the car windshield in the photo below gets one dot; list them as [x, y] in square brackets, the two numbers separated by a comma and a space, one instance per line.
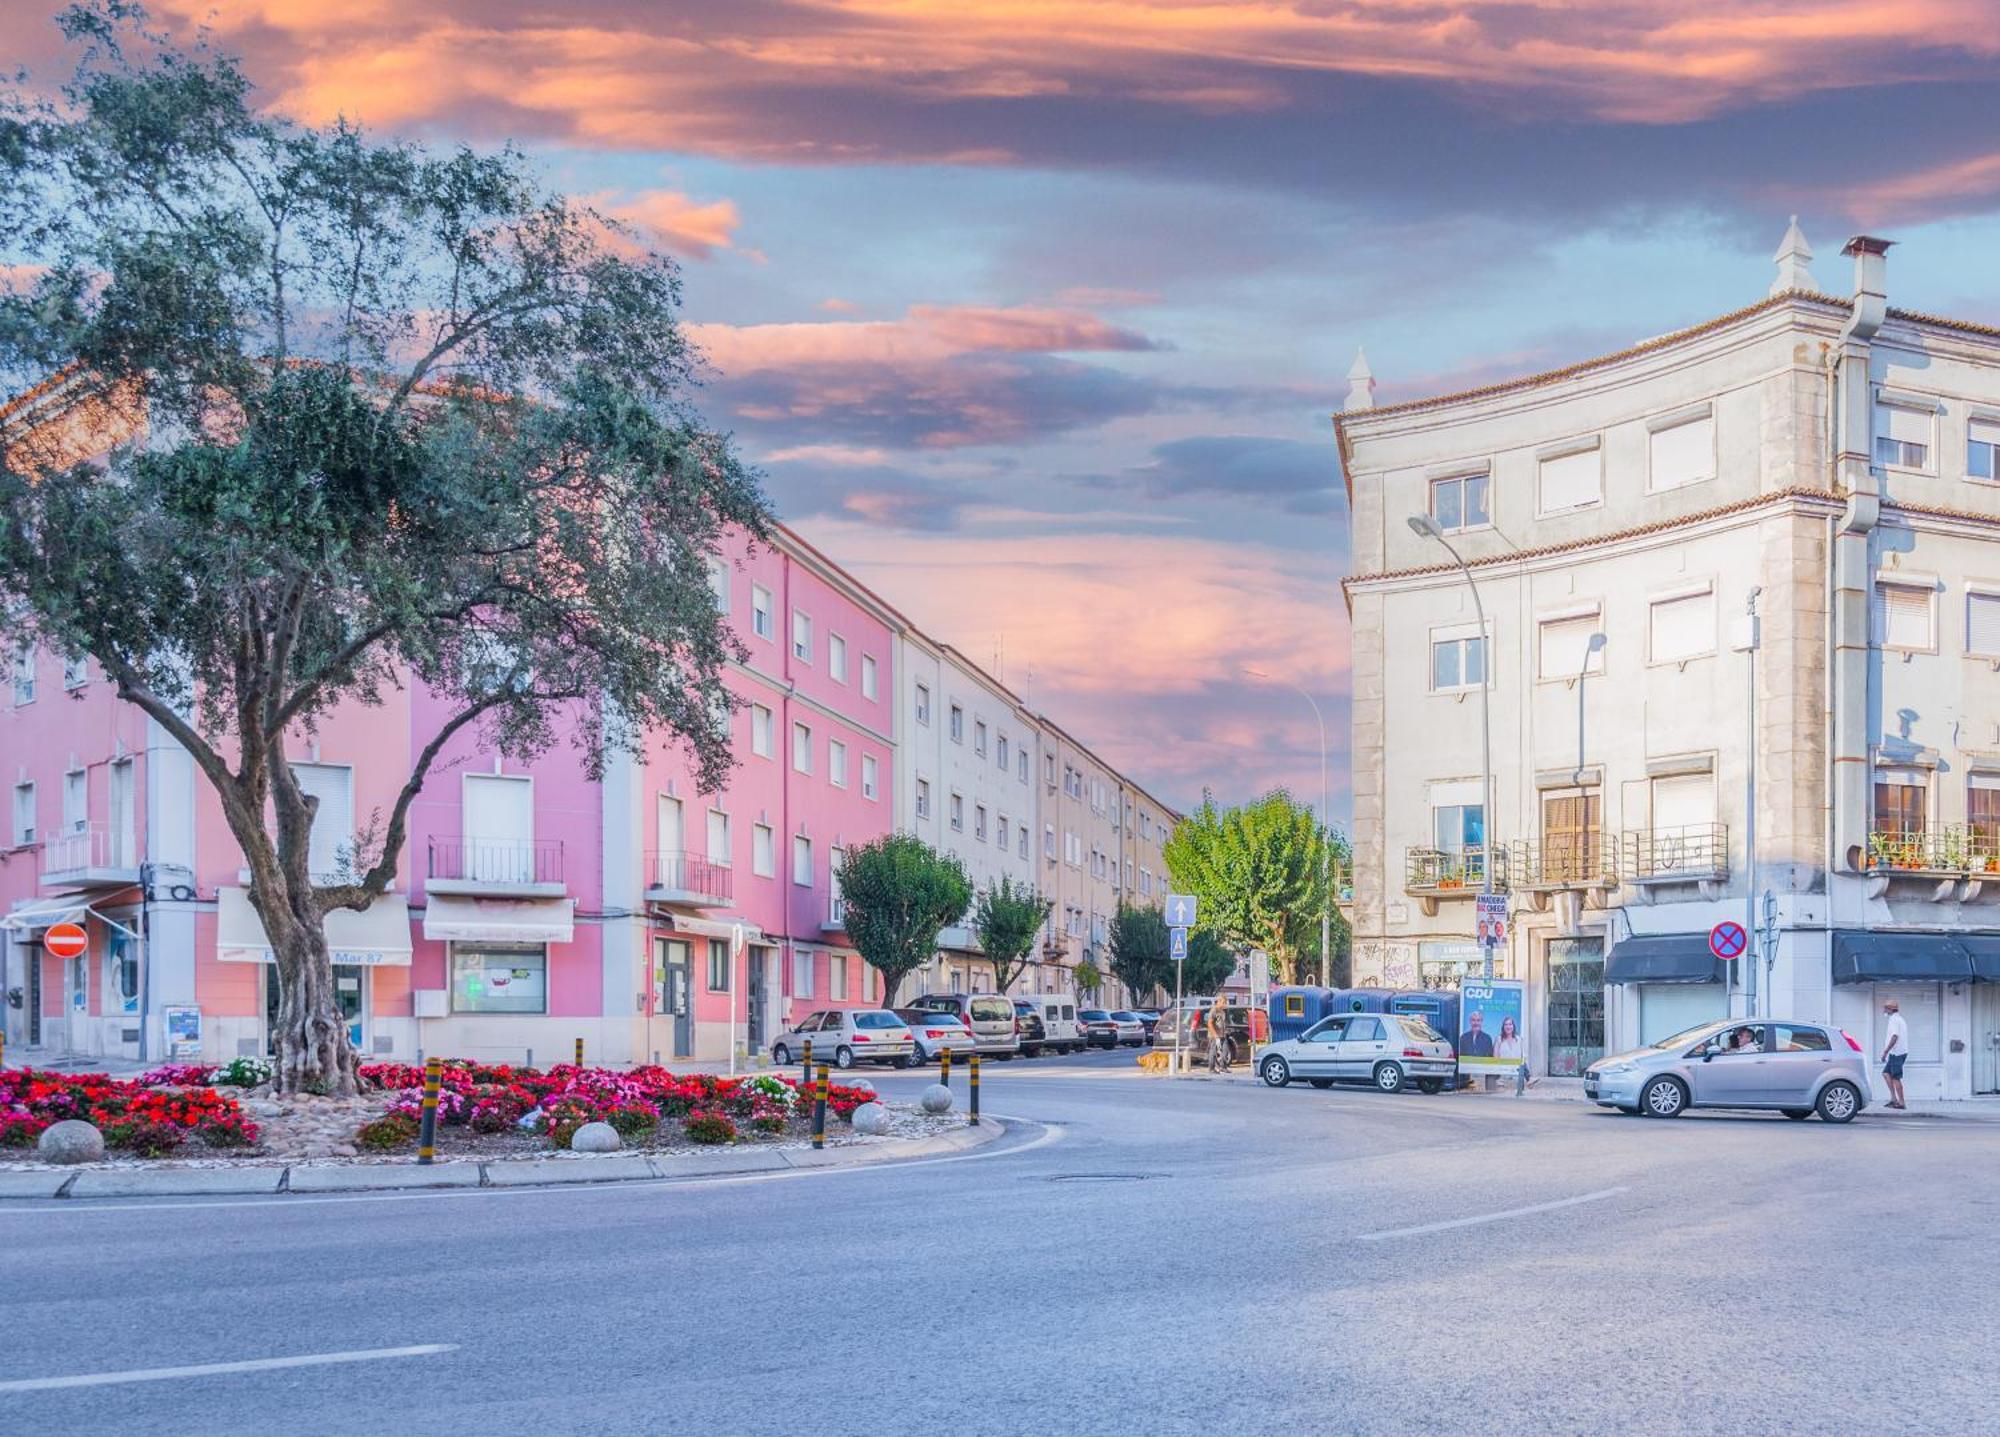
[1689, 1035]
[877, 1020]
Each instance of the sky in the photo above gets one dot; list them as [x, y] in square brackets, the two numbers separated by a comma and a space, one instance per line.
[1035, 313]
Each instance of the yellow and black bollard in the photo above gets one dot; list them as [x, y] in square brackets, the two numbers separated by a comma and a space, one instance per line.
[427, 1130]
[944, 1067]
[973, 1082]
[819, 1109]
[807, 1083]
[579, 1052]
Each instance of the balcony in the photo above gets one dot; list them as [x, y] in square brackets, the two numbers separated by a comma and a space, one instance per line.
[1584, 863]
[687, 880]
[836, 915]
[1434, 874]
[1657, 858]
[89, 858]
[496, 867]
[1945, 864]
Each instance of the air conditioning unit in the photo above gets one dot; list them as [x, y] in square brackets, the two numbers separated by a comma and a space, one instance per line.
[431, 1002]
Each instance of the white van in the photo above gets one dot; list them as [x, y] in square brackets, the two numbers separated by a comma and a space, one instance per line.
[1055, 1013]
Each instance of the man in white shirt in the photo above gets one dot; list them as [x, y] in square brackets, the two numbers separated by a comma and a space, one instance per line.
[1895, 1052]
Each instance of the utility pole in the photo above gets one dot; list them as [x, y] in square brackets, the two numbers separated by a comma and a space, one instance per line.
[1754, 1000]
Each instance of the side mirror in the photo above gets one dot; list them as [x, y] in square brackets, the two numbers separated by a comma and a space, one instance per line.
[1708, 1055]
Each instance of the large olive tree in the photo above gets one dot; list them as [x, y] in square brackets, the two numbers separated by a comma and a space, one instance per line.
[355, 415]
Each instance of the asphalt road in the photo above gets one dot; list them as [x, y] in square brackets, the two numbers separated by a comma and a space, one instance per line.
[1137, 1255]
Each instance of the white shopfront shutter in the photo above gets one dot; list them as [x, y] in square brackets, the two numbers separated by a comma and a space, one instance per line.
[1683, 626]
[1569, 480]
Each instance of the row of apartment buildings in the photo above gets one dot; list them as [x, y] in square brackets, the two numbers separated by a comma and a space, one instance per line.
[638, 913]
[1829, 457]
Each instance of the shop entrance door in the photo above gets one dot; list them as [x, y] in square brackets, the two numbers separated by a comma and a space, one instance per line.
[753, 1038]
[1985, 1038]
[1576, 1004]
[34, 965]
[676, 996]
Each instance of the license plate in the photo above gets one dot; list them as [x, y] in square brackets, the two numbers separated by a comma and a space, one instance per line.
[1590, 1090]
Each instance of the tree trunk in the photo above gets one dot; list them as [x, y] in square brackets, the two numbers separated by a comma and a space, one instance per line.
[314, 1055]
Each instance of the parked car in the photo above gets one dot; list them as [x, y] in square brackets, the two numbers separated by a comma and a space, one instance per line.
[846, 1036]
[1247, 1028]
[1131, 1028]
[1048, 1022]
[1148, 1016]
[1100, 1029]
[931, 1033]
[1389, 1050]
[991, 1017]
[1794, 1068]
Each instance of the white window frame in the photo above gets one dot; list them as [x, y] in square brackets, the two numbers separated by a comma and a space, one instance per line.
[76, 671]
[341, 835]
[802, 861]
[763, 731]
[869, 775]
[718, 582]
[76, 801]
[1460, 478]
[836, 763]
[1914, 406]
[836, 657]
[802, 636]
[764, 850]
[1989, 421]
[979, 821]
[24, 833]
[1594, 449]
[1594, 665]
[763, 614]
[1458, 634]
[24, 675]
[957, 729]
[923, 798]
[1670, 424]
[802, 747]
[1879, 615]
[1680, 596]
[722, 859]
[802, 972]
[923, 701]
[979, 737]
[955, 812]
[868, 680]
[1976, 593]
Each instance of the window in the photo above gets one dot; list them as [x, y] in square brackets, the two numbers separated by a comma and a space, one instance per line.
[718, 965]
[923, 798]
[957, 724]
[1049, 842]
[76, 671]
[1903, 617]
[1002, 833]
[1457, 662]
[1145, 882]
[802, 748]
[760, 730]
[868, 676]
[979, 738]
[874, 982]
[1459, 826]
[1899, 801]
[1802, 1040]
[836, 763]
[802, 636]
[121, 961]
[836, 975]
[763, 851]
[499, 978]
[1982, 813]
[1570, 481]
[802, 861]
[1001, 759]
[761, 622]
[1572, 836]
[76, 801]
[1021, 841]
[958, 812]
[1982, 625]
[979, 822]
[1023, 764]
[1459, 502]
[507, 838]
[1683, 804]
[1683, 626]
[24, 813]
[923, 703]
[1903, 435]
[718, 838]
[1566, 650]
[1982, 449]
[24, 675]
[1681, 451]
[1049, 769]
[802, 973]
[718, 582]
[868, 770]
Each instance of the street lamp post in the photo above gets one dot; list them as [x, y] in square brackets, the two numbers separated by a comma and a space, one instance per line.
[1428, 528]
[1326, 832]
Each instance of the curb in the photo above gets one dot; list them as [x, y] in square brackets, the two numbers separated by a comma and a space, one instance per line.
[498, 1173]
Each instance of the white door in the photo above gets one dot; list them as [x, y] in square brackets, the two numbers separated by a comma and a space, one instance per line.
[1985, 1038]
[673, 838]
[499, 828]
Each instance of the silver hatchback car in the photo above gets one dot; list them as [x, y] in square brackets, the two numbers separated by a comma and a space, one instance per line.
[1797, 1069]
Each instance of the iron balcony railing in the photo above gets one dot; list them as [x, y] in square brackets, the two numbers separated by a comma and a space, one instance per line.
[681, 872]
[1582, 860]
[836, 911]
[510, 861]
[1934, 850]
[1454, 870]
[1698, 850]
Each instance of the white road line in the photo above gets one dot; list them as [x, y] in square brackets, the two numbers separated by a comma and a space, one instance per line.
[1490, 1217]
[280, 1202]
[217, 1369]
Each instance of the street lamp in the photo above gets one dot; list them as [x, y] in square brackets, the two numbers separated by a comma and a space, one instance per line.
[1427, 527]
[1326, 831]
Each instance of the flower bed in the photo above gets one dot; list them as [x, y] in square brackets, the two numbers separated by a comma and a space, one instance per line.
[140, 1116]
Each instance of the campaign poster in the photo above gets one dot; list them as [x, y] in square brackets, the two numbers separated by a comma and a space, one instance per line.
[183, 1032]
[1491, 1035]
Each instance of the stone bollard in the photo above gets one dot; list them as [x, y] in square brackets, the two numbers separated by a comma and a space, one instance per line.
[596, 1138]
[871, 1120]
[936, 1099]
[70, 1141]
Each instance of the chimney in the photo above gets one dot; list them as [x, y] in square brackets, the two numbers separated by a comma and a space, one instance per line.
[1794, 258]
[1871, 284]
[1360, 383]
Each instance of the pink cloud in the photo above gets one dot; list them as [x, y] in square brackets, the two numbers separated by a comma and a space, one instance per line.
[926, 332]
[677, 223]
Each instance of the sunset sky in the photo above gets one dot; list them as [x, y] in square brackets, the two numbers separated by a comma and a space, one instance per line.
[1035, 313]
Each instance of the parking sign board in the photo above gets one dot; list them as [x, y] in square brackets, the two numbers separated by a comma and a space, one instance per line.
[1180, 910]
[1177, 944]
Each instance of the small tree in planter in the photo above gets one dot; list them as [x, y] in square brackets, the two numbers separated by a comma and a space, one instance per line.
[899, 892]
[1007, 920]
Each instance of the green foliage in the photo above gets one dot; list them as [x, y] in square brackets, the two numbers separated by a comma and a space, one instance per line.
[1089, 978]
[1008, 919]
[243, 1073]
[899, 891]
[1263, 872]
[1208, 965]
[396, 415]
[1139, 950]
[387, 1133]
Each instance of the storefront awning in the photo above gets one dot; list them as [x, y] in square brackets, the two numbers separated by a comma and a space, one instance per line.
[1865, 956]
[32, 918]
[719, 928]
[500, 920]
[1663, 958]
[1984, 950]
[376, 937]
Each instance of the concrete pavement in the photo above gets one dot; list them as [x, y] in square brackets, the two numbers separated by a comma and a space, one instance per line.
[1200, 1257]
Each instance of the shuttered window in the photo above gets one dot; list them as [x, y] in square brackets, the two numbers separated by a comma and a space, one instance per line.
[1982, 813]
[1903, 617]
[1982, 624]
[1899, 800]
[1565, 642]
[1903, 435]
[1683, 626]
[1982, 449]
[1570, 480]
[1683, 453]
[333, 821]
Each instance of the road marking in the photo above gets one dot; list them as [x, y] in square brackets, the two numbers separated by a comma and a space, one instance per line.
[217, 1369]
[279, 1202]
[1490, 1217]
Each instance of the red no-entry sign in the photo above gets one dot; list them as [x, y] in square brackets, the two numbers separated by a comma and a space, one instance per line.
[65, 940]
[1726, 940]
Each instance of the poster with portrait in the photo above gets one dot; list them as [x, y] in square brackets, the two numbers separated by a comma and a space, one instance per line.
[1491, 1034]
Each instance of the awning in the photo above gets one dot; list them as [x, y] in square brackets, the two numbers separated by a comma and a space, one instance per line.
[715, 928]
[1663, 958]
[1865, 956]
[378, 936]
[32, 918]
[500, 920]
[1984, 950]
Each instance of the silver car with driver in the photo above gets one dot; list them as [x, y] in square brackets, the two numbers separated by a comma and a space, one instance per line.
[1793, 1068]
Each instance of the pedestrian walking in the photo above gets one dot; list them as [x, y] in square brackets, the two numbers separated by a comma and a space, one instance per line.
[1895, 1052]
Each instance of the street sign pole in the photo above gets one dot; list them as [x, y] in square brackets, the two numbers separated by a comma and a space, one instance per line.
[1179, 1017]
[1180, 917]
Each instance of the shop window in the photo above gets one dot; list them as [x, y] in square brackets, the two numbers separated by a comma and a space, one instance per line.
[499, 978]
[718, 965]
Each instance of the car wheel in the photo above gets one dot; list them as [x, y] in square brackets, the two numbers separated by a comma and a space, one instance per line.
[782, 1056]
[1430, 1085]
[1838, 1103]
[1276, 1072]
[908, 1060]
[1320, 1082]
[1389, 1077]
[843, 1057]
[1798, 1115]
[1663, 1098]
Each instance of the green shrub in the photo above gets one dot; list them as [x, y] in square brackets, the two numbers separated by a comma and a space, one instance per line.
[149, 1139]
[387, 1133]
[709, 1128]
[633, 1120]
[243, 1073]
